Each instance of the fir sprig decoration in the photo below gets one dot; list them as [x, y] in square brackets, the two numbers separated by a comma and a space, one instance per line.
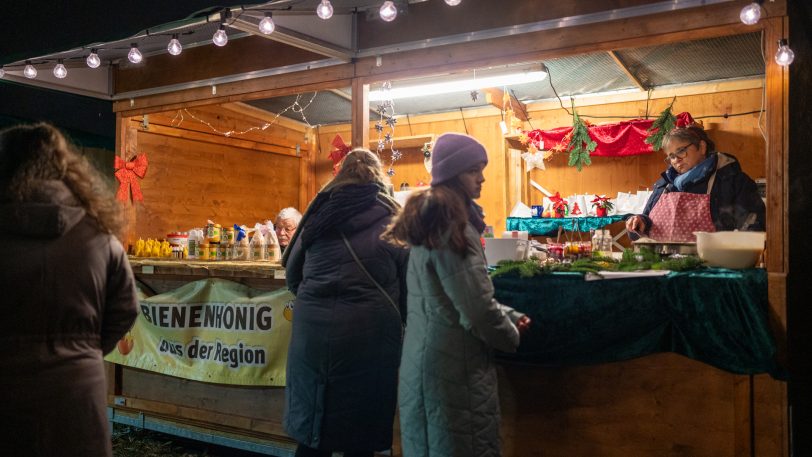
[664, 123]
[581, 144]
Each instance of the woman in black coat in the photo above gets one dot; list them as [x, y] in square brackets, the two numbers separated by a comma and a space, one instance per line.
[347, 330]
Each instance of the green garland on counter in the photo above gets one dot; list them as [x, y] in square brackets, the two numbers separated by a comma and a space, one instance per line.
[646, 259]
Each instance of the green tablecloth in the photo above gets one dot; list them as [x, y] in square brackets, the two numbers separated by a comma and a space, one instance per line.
[549, 226]
[716, 316]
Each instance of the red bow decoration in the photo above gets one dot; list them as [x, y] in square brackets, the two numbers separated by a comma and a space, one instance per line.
[340, 150]
[684, 120]
[126, 173]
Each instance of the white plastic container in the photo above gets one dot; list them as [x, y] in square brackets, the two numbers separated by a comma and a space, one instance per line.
[518, 234]
[730, 249]
[497, 249]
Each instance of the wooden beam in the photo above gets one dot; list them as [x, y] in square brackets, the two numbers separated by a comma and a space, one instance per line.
[360, 114]
[296, 39]
[632, 77]
[264, 115]
[496, 98]
[219, 139]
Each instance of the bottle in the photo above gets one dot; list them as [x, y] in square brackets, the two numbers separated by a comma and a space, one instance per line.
[258, 247]
[193, 244]
[204, 251]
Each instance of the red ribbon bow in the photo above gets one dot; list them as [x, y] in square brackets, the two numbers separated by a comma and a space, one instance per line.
[684, 120]
[126, 173]
[340, 150]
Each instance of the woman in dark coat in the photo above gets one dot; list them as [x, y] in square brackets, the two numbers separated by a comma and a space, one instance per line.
[345, 347]
[68, 297]
[701, 190]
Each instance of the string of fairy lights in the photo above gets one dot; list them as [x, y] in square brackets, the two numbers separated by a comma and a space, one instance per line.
[295, 107]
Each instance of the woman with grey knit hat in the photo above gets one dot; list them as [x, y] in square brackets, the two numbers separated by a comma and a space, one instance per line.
[448, 398]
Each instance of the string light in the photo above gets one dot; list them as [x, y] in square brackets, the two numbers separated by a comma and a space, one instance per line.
[220, 38]
[266, 25]
[296, 107]
[174, 47]
[59, 70]
[135, 55]
[325, 9]
[751, 13]
[29, 71]
[388, 11]
[784, 56]
[453, 2]
[93, 60]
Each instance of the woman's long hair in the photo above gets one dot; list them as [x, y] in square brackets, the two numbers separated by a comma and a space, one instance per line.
[432, 218]
[30, 154]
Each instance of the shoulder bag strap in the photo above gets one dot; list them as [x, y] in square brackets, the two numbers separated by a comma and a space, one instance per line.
[366, 272]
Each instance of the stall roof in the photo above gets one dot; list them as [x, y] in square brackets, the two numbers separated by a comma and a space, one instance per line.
[638, 69]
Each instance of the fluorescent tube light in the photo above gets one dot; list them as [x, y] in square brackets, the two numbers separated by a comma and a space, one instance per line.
[466, 85]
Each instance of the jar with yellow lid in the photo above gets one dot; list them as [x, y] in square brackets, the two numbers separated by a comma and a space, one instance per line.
[213, 232]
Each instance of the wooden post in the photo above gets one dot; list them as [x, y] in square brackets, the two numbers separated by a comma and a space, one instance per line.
[360, 114]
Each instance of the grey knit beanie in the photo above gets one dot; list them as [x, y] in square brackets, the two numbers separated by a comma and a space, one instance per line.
[454, 153]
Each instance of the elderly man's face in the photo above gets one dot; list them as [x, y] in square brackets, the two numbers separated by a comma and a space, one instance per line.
[284, 231]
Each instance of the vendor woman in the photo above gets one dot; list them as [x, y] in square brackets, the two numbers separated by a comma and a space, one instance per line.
[702, 190]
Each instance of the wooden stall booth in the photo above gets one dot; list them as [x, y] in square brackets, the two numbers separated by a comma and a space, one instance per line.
[224, 151]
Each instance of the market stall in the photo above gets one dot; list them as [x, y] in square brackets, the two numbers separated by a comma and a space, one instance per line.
[213, 155]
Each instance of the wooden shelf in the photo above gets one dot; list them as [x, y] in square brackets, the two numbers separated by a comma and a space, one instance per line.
[405, 142]
[514, 143]
[143, 266]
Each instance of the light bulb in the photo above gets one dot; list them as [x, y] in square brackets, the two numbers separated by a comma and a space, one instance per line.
[325, 9]
[751, 13]
[502, 124]
[2, 72]
[784, 56]
[453, 2]
[174, 47]
[30, 72]
[93, 60]
[388, 11]
[59, 70]
[266, 25]
[135, 55]
[220, 38]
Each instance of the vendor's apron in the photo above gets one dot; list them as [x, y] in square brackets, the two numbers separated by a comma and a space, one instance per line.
[677, 215]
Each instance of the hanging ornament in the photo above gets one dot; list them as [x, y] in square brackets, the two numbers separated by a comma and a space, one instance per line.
[534, 160]
[396, 155]
[390, 172]
[128, 173]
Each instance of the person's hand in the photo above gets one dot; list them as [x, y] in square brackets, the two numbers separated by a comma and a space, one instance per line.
[523, 324]
[635, 224]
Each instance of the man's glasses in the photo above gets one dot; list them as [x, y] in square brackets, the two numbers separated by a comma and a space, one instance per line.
[678, 154]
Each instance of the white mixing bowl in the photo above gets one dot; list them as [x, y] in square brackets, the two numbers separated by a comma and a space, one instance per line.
[730, 249]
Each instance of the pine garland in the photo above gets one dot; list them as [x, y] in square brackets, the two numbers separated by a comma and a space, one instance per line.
[664, 123]
[646, 259]
[581, 144]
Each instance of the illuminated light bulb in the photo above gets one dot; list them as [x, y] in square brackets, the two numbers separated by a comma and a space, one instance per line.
[2, 72]
[266, 25]
[220, 38]
[502, 124]
[751, 13]
[174, 47]
[135, 55]
[784, 56]
[93, 60]
[29, 72]
[388, 11]
[453, 2]
[59, 70]
[325, 9]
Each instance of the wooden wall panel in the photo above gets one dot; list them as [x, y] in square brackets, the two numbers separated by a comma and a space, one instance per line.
[189, 182]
